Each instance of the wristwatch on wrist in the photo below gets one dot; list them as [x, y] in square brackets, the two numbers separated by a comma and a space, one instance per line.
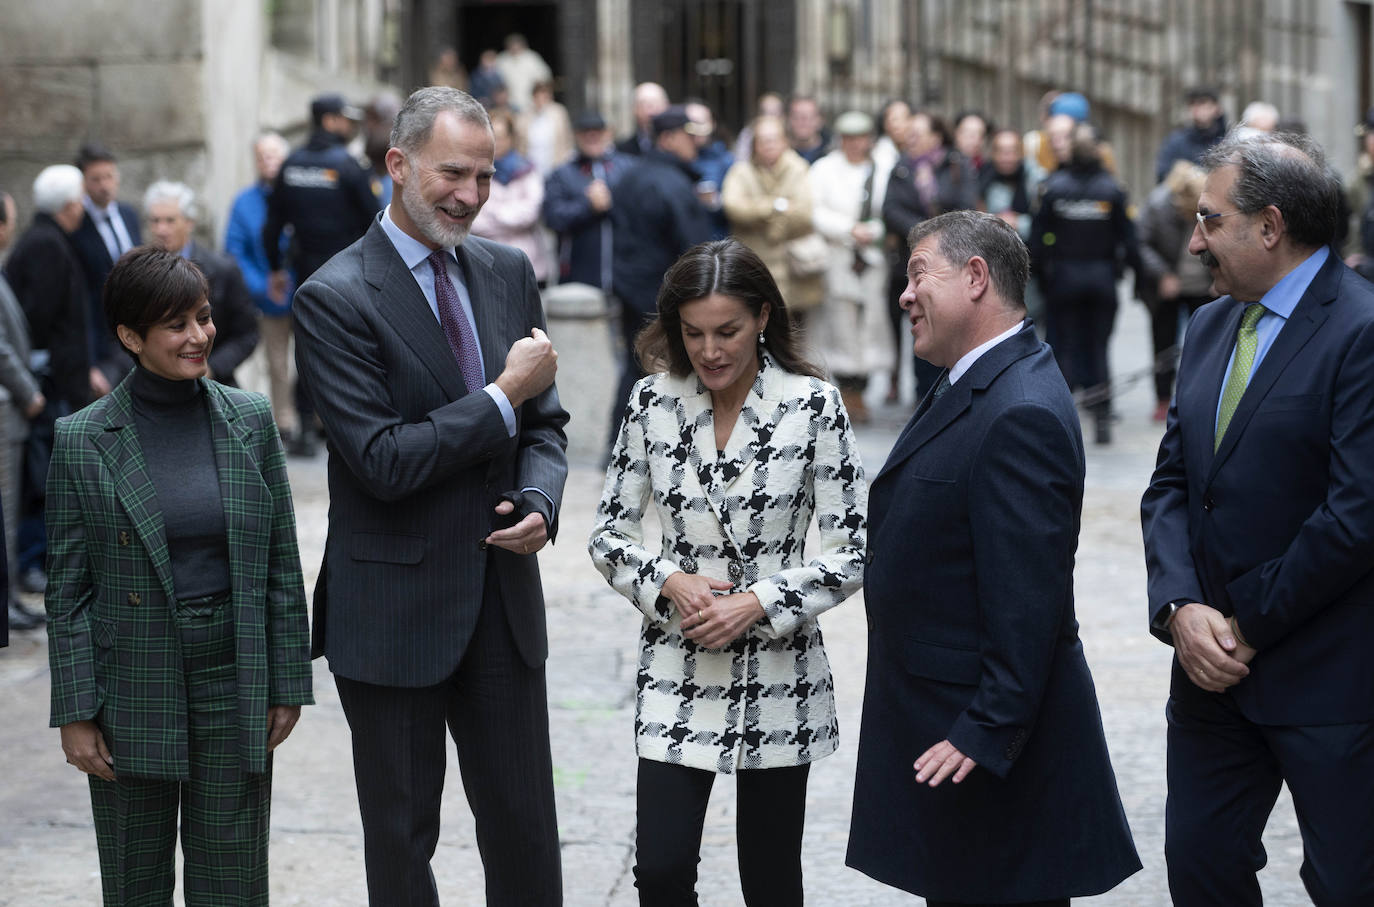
[1167, 613]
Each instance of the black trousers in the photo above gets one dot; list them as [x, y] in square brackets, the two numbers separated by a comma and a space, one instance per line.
[1080, 306]
[1224, 776]
[496, 709]
[1164, 315]
[670, 811]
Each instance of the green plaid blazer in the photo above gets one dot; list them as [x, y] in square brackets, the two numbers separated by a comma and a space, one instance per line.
[112, 642]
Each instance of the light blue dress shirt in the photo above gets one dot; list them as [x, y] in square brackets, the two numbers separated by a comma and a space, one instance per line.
[1279, 303]
[416, 256]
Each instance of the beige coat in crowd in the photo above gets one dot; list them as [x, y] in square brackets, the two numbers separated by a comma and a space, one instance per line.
[767, 207]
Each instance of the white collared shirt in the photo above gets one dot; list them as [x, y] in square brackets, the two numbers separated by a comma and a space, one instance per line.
[110, 225]
[966, 361]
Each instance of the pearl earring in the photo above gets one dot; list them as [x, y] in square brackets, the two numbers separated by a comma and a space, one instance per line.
[760, 338]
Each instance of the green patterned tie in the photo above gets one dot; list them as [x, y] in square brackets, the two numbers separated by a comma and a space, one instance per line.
[1247, 341]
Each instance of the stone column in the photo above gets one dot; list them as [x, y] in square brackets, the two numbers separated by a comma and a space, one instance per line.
[614, 74]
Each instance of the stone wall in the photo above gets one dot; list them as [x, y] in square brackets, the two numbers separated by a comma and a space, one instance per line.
[176, 88]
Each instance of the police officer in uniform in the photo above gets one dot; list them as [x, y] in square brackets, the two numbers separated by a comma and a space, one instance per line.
[1080, 239]
[326, 198]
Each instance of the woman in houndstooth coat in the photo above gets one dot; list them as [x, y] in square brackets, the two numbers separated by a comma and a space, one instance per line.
[737, 443]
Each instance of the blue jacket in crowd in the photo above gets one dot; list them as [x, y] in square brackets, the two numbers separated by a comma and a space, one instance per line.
[243, 241]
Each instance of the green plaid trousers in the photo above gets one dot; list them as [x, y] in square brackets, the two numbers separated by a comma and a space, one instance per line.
[224, 810]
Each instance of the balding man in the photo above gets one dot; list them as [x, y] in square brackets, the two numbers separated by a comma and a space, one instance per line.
[650, 101]
[1259, 538]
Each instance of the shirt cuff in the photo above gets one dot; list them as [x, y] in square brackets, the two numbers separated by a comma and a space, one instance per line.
[553, 508]
[507, 411]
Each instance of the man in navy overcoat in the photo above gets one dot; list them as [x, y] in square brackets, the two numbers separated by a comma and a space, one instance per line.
[1259, 538]
[983, 775]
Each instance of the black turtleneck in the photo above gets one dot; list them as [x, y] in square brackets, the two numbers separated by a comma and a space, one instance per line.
[173, 427]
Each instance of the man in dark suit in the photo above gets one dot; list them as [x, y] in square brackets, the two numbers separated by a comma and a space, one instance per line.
[108, 230]
[976, 675]
[1259, 538]
[170, 208]
[46, 277]
[435, 383]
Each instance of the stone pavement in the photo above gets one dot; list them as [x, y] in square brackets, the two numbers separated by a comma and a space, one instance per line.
[47, 846]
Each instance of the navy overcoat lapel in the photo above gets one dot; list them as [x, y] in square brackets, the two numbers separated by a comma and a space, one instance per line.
[933, 416]
[404, 307]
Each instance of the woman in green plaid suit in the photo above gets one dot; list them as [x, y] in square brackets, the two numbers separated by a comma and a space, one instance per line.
[177, 633]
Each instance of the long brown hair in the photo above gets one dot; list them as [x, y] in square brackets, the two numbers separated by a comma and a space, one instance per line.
[730, 268]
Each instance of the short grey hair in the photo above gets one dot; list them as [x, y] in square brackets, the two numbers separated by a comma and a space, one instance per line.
[167, 191]
[56, 186]
[1288, 171]
[960, 235]
[415, 121]
[272, 138]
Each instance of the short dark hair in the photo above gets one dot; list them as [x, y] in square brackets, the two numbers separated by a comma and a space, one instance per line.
[960, 235]
[730, 268]
[94, 153]
[147, 286]
[4, 208]
[1288, 171]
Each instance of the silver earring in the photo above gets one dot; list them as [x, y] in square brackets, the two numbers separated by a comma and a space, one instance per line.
[760, 338]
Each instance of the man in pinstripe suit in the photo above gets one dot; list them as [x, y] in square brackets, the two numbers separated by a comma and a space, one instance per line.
[446, 466]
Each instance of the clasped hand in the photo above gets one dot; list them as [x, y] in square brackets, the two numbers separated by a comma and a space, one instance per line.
[709, 619]
[525, 537]
[1208, 648]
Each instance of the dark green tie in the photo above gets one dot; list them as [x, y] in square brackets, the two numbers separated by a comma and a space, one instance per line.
[1247, 341]
[941, 387]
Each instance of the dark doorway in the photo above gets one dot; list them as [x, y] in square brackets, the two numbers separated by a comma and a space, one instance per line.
[485, 25]
[726, 52]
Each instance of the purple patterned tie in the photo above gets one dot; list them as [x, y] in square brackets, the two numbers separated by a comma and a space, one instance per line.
[455, 323]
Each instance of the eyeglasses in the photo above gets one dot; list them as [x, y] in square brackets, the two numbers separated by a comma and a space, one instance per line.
[1202, 219]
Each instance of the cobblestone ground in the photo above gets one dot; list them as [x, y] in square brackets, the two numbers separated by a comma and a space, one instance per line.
[47, 846]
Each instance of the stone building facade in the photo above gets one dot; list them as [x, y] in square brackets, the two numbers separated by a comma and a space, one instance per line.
[176, 88]
[179, 87]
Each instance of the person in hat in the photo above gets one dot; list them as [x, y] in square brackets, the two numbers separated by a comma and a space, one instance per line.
[326, 197]
[1206, 127]
[577, 203]
[659, 216]
[852, 331]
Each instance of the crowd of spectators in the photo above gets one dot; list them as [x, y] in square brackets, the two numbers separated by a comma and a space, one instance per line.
[826, 202]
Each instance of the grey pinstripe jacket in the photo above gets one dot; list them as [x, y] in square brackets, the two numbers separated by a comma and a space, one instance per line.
[417, 464]
[113, 645]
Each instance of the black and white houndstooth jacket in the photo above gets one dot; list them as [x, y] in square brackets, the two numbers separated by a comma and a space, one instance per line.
[766, 700]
